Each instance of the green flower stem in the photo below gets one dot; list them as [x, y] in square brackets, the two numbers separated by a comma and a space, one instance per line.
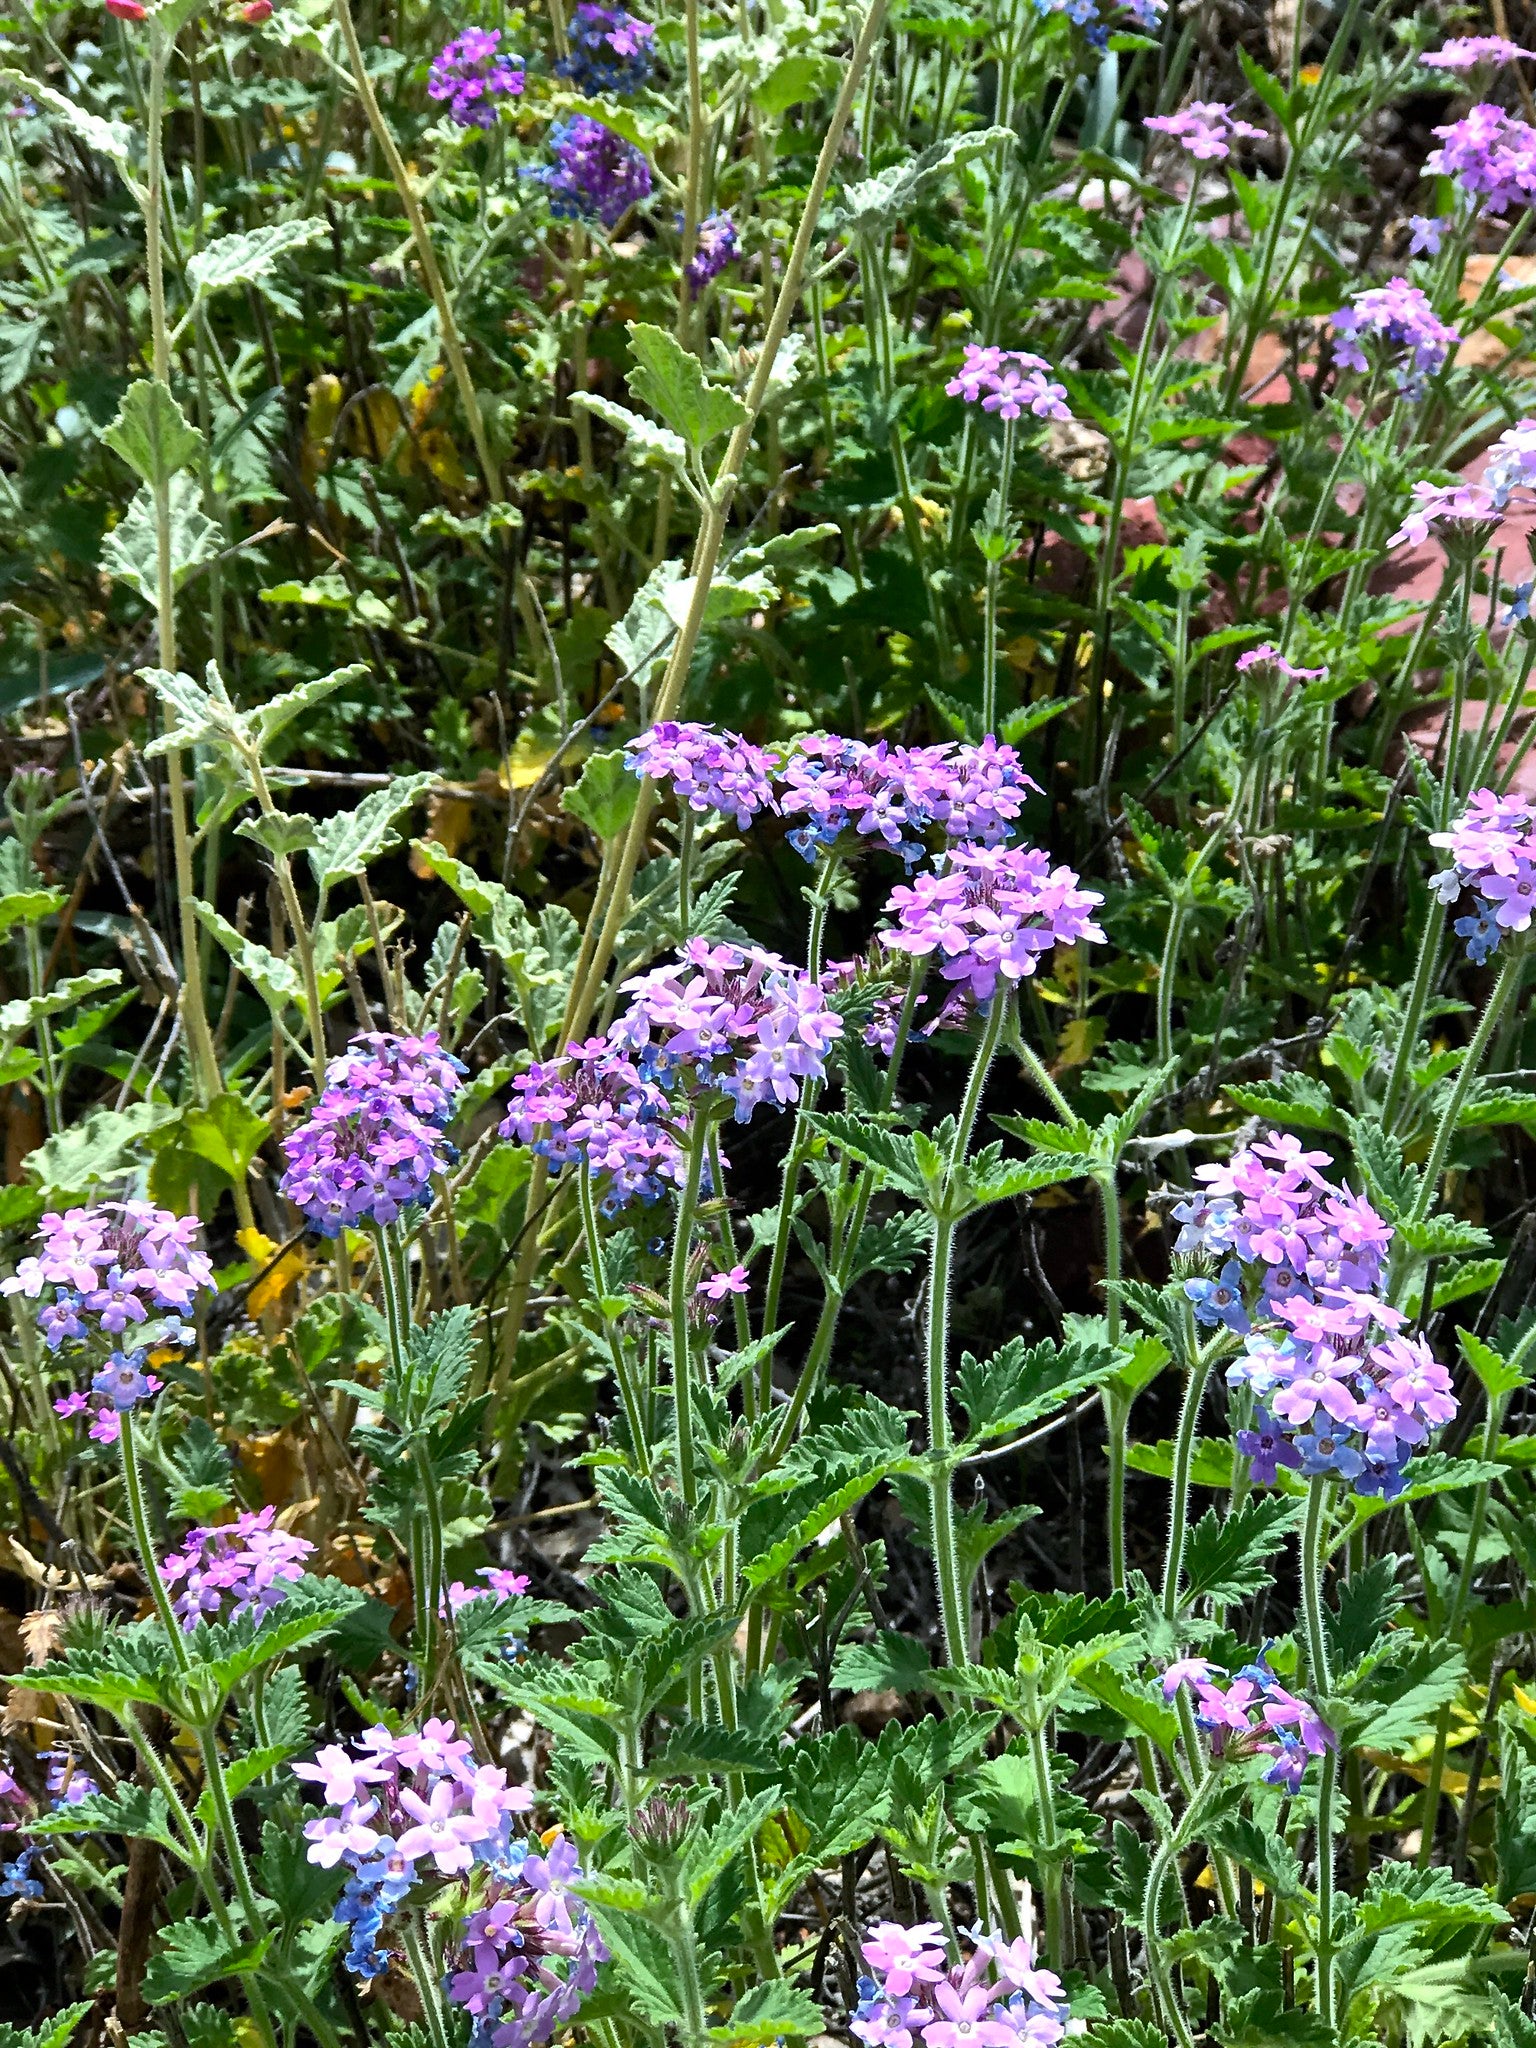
[418, 1947]
[990, 593]
[1169, 2001]
[685, 875]
[1424, 977]
[1052, 1868]
[953, 1593]
[1183, 1456]
[681, 1302]
[144, 1540]
[427, 1533]
[629, 1393]
[303, 943]
[1502, 992]
[1314, 1551]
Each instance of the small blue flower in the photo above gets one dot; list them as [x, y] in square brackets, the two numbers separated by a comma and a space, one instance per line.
[1337, 1454]
[16, 1879]
[1520, 602]
[1481, 932]
[1220, 1300]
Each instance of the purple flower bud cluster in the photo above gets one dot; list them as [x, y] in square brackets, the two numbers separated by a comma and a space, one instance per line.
[997, 1998]
[733, 1020]
[1206, 128]
[596, 174]
[120, 1263]
[1009, 382]
[594, 1108]
[374, 1139]
[1491, 155]
[1399, 317]
[1298, 1267]
[1463, 53]
[715, 245]
[1471, 510]
[610, 51]
[989, 914]
[415, 1806]
[240, 1567]
[896, 795]
[709, 770]
[1493, 852]
[474, 77]
[1253, 1715]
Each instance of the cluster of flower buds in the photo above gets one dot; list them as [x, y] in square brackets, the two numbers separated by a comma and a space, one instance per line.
[240, 1567]
[1493, 853]
[1269, 658]
[415, 1808]
[715, 245]
[1252, 1714]
[990, 914]
[1399, 319]
[997, 1998]
[1009, 382]
[374, 1140]
[1298, 1264]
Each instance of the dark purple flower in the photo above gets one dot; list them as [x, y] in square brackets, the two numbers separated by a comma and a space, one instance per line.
[472, 75]
[596, 174]
[610, 51]
[715, 245]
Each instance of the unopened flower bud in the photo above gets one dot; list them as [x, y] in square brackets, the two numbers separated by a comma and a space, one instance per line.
[660, 1824]
[128, 10]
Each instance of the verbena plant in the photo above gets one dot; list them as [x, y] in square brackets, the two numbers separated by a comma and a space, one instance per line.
[872, 536]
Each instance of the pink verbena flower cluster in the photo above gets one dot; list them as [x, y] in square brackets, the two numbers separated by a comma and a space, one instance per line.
[500, 1584]
[734, 1020]
[1463, 53]
[1471, 510]
[1252, 1714]
[1298, 1264]
[1206, 128]
[102, 1270]
[1491, 155]
[997, 1998]
[989, 914]
[122, 1384]
[709, 770]
[1399, 317]
[1009, 382]
[1269, 656]
[374, 1139]
[594, 1108]
[1493, 853]
[896, 796]
[474, 77]
[240, 1567]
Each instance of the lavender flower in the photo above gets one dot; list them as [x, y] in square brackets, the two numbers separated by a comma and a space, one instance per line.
[1493, 853]
[990, 914]
[610, 51]
[593, 1107]
[1491, 155]
[732, 1020]
[998, 1998]
[1009, 382]
[896, 796]
[242, 1567]
[1252, 1714]
[1426, 234]
[1269, 656]
[1462, 53]
[710, 771]
[103, 1269]
[1206, 128]
[473, 76]
[596, 175]
[374, 1139]
[715, 245]
[1464, 514]
[1399, 317]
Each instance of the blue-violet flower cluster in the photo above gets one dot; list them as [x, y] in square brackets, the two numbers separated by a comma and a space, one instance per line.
[596, 174]
[610, 50]
[997, 1998]
[474, 77]
[593, 1108]
[1009, 382]
[1399, 318]
[1252, 1715]
[1493, 852]
[375, 1137]
[237, 1568]
[989, 915]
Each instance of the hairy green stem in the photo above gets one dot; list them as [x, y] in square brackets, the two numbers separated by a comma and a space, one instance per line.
[1314, 1551]
[681, 1303]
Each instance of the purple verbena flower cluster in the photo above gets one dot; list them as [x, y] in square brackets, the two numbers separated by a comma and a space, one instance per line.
[1400, 318]
[710, 771]
[896, 795]
[1206, 128]
[473, 76]
[240, 1567]
[104, 1269]
[418, 1806]
[1493, 853]
[997, 1998]
[500, 1584]
[1009, 382]
[989, 914]
[1252, 1714]
[123, 1382]
[1298, 1267]
[1471, 510]
[1491, 155]
[1269, 656]
[596, 174]
[610, 50]
[732, 1020]
[374, 1139]
[1463, 53]
[715, 245]
[593, 1107]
